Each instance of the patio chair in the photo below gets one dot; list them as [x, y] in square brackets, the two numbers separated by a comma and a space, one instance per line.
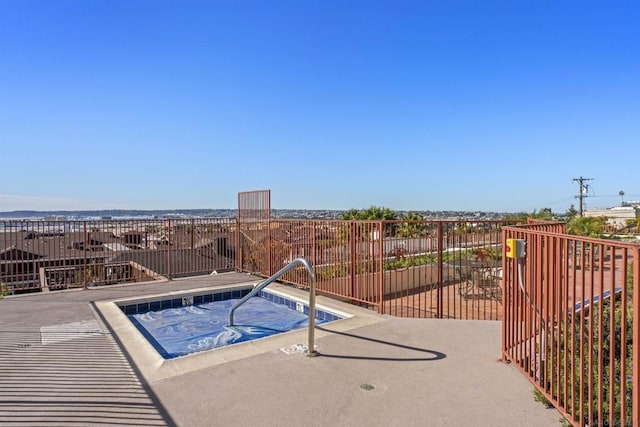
[465, 285]
[490, 285]
[583, 253]
[480, 277]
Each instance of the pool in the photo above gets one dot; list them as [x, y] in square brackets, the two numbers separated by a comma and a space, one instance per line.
[181, 326]
[153, 366]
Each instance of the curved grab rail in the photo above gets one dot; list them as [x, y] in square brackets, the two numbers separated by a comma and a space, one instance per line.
[312, 298]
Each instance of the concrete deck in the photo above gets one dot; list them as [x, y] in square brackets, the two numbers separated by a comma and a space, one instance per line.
[60, 365]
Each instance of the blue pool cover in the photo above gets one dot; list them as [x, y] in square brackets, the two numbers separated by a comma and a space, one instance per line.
[180, 331]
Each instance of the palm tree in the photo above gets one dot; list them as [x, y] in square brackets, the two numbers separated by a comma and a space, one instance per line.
[373, 213]
[586, 226]
[379, 213]
[410, 227]
[621, 194]
[351, 214]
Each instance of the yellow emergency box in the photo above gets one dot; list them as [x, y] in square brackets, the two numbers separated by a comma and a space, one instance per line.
[515, 248]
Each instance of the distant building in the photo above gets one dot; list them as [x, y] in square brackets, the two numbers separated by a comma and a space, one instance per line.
[51, 259]
[616, 216]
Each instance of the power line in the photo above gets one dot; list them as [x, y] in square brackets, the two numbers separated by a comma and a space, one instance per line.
[617, 195]
[584, 190]
[557, 202]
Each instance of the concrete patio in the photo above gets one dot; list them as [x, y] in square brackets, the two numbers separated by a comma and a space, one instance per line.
[61, 365]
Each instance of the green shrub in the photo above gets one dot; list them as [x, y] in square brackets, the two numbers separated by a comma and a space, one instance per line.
[539, 397]
[4, 290]
[574, 347]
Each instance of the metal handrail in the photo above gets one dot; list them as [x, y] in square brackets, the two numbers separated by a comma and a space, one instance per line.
[312, 298]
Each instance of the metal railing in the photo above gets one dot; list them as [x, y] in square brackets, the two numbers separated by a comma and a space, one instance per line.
[569, 323]
[312, 298]
[402, 268]
[41, 255]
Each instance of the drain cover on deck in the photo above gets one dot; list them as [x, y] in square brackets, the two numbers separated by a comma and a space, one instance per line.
[295, 348]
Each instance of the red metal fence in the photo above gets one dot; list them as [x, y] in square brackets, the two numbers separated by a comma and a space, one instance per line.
[570, 325]
[51, 255]
[403, 268]
[444, 269]
[254, 213]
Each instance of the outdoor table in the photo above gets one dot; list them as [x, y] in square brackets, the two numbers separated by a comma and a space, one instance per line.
[479, 278]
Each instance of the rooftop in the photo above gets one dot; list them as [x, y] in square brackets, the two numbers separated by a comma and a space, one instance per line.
[391, 371]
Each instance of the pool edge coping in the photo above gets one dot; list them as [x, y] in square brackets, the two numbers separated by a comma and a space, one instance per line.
[153, 367]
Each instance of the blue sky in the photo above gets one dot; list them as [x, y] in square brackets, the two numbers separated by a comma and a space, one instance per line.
[423, 105]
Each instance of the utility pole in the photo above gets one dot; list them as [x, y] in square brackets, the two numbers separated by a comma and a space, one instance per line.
[583, 190]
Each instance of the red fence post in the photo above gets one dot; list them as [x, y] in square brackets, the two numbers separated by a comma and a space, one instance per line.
[381, 267]
[238, 251]
[505, 295]
[169, 249]
[439, 290]
[635, 404]
[84, 276]
[352, 241]
[270, 269]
